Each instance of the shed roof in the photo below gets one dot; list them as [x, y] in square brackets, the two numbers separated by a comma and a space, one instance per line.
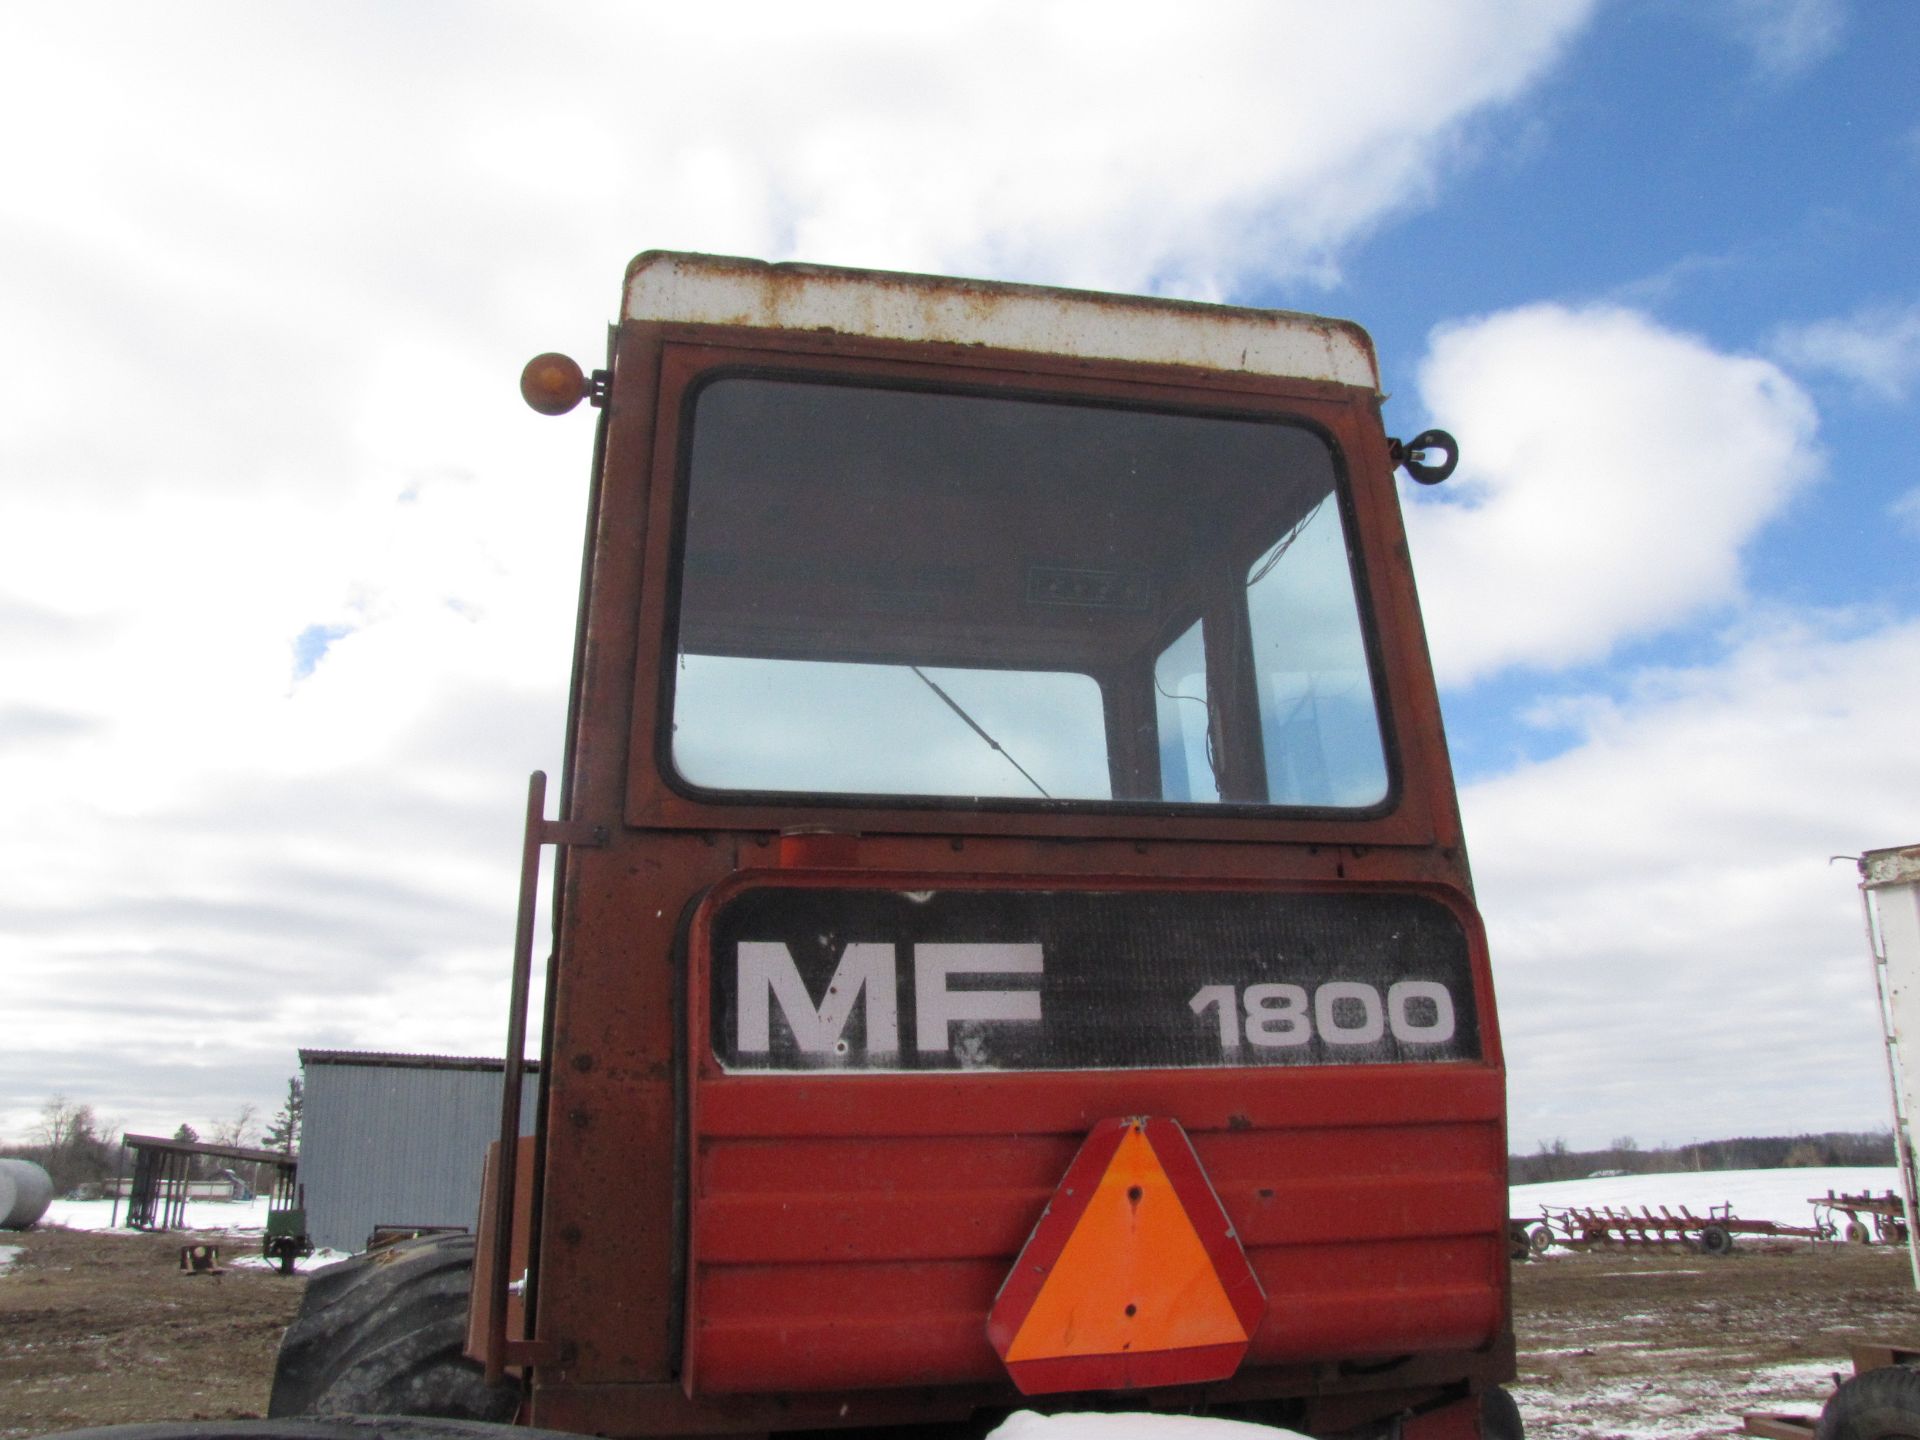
[208, 1147]
[393, 1060]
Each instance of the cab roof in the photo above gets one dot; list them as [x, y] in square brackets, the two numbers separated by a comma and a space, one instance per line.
[675, 287]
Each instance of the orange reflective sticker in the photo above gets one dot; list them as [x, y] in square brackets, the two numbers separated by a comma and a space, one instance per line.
[1133, 1276]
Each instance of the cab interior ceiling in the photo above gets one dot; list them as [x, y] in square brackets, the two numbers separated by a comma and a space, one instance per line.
[984, 535]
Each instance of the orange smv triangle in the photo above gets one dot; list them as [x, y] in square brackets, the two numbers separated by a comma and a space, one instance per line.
[1133, 1277]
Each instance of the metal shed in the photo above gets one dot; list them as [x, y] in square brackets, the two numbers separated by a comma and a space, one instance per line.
[397, 1140]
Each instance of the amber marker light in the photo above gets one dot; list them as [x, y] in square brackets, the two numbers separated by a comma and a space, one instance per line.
[552, 384]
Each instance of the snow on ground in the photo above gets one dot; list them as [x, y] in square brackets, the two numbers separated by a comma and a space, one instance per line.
[227, 1216]
[7, 1252]
[1671, 1406]
[244, 1219]
[1777, 1195]
[317, 1260]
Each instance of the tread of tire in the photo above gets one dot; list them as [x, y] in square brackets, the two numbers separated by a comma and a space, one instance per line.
[1881, 1404]
[382, 1334]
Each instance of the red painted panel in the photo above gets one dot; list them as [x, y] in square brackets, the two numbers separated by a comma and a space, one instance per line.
[828, 1290]
[1252, 1158]
[1376, 1266]
[1323, 1210]
[1379, 1298]
[896, 1164]
[1307, 1102]
[1325, 1324]
[855, 1352]
[799, 1229]
[786, 1234]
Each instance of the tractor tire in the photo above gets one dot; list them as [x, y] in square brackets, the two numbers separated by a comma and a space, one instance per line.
[1500, 1416]
[1519, 1247]
[1881, 1404]
[1539, 1239]
[1716, 1240]
[382, 1334]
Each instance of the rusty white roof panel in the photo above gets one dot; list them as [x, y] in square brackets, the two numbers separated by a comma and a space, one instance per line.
[1897, 866]
[721, 290]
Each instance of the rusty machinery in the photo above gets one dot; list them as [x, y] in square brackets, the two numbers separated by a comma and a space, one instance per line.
[1014, 944]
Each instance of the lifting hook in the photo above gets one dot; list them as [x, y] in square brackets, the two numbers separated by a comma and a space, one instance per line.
[1425, 472]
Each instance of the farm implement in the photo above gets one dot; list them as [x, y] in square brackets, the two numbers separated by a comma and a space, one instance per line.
[1870, 1219]
[1588, 1227]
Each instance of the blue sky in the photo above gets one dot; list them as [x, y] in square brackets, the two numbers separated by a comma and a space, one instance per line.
[1684, 163]
[286, 573]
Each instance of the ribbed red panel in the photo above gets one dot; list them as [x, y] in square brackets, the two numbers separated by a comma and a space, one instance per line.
[856, 1261]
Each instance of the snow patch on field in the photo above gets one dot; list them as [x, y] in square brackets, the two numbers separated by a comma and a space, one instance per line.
[7, 1255]
[1674, 1406]
[319, 1260]
[243, 1219]
[1777, 1195]
[230, 1217]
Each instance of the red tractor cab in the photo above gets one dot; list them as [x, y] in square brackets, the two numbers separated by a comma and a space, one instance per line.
[1014, 942]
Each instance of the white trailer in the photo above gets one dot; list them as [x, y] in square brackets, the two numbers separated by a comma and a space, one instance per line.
[1890, 892]
[1882, 1399]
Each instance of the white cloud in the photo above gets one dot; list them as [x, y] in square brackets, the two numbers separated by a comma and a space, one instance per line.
[1907, 510]
[1787, 36]
[1877, 348]
[1611, 470]
[1672, 947]
[268, 276]
[1670, 281]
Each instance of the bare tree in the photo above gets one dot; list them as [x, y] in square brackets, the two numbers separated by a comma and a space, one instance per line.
[64, 1124]
[238, 1130]
[68, 1144]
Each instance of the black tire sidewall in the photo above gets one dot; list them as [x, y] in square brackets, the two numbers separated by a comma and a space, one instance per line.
[1879, 1405]
[1500, 1415]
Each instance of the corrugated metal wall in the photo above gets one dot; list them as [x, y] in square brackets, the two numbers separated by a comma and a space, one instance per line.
[397, 1143]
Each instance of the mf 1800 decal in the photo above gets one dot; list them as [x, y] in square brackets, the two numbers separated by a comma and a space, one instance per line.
[880, 980]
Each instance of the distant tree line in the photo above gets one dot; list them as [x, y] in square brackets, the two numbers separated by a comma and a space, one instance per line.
[1554, 1161]
[78, 1149]
[68, 1142]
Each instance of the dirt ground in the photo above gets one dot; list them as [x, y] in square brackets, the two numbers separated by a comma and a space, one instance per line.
[1671, 1344]
[99, 1328]
[102, 1328]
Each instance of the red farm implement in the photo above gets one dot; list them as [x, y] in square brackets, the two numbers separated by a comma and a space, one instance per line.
[1590, 1227]
[1870, 1219]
